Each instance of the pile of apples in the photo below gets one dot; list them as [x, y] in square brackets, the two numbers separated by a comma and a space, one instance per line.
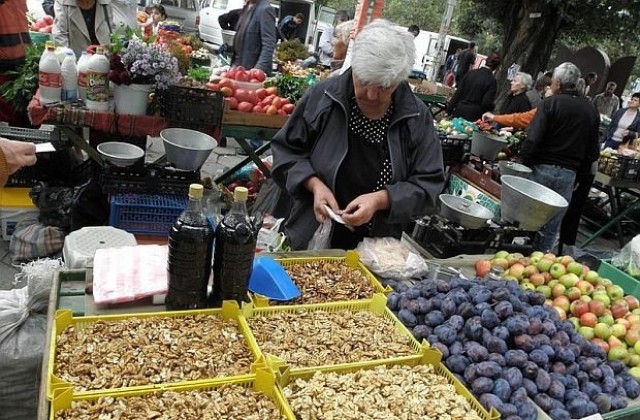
[598, 309]
[261, 100]
[44, 24]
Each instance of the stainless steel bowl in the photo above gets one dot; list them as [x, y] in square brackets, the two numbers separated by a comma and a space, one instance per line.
[120, 153]
[187, 149]
[508, 167]
[487, 146]
[464, 212]
[528, 203]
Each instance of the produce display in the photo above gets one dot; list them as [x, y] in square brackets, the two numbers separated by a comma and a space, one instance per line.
[510, 349]
[401, 392]
[328, 281]
[231, 401]
[43, 24]
[306, 338]
[141, 351]
[598, 309]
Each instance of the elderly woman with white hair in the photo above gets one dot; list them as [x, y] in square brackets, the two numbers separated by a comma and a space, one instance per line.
[518, 101]
[361, 144]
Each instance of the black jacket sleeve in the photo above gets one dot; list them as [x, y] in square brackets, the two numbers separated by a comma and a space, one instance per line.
[47, 6]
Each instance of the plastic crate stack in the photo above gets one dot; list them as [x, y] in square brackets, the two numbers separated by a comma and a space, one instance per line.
[620, 167]
[208, 359]
[453, 147]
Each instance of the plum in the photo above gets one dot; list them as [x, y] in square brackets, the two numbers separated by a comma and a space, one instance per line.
[412, 293]
[535, 327]
[582, 377]
[392, 301]
[559, 414]
[543, 381]
[496, 345]
[434, 318]
[572, 394]
[535, 298]
[477, 353]
[481, 307]
[458, 296]
[543, 401]
[548, 350]
[567, 327]
[509, 410]
[631, 387]
[501, 332]
[539, 357]
[504, 309]
[489, 319]
[527, 410]
[424, 305]
[556, 390]
[513, 377]
[480, 294]
[603, 402]
[577, 407]
[595, 374]
[530, 370]
[448, 307]
[433, 339]
[421, 332]
[427, 289]
[471, 373]
[606, 370]
[524, 342]
[617, 366]
[518, 396]
[573, 368]
[407, 318]
[489, 369]
[618, 403]
[565, 355]
[513, 417]
[497, 358]
[517, 358]
[456, 322]
[456, 348]
[502, 389]
[562, 338]
[549, 328]
[443, 286]
[609, 385]
[591, 389]
[530, 386]
[500, 294]
[571, 382]
[559, 367]
[446, 334]
[457, 363]
[489, 400]
[482, 385]
[459, 282]
[587, 363]
[541, 340]
[473, 329]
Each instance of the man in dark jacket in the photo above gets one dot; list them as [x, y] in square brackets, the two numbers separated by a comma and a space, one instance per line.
[255, 37]
[229, 21]
[465, 61]
[291, 27]
[562, 142]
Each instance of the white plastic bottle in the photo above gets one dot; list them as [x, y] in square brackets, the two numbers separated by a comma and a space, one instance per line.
[83, 62]
[98, 81]
[69, 77]
[49, 76]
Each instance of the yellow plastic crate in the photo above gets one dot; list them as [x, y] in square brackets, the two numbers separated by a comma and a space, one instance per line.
[352, 259]
[428, 357]
[264, 382]
[64, 318]
[376, 305]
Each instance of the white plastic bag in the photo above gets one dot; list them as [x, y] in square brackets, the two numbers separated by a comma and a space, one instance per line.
[322, 237]
[389, 258]
[269, 237]
[629, 258]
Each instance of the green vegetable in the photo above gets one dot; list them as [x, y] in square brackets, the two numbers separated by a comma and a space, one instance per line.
[291, 50]
[289, 86]
[25, 79]
[199, 74]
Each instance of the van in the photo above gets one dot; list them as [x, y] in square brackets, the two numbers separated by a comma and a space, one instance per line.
[185, 12]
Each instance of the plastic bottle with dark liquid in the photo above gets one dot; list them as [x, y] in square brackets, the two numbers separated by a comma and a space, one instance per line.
[190, 250]
[235, 245]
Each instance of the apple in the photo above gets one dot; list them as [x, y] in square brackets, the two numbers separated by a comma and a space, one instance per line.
[596, 307]
[525, 284]
[634, 360]
[632, 301]
[558, 290]
[545, 290]
[605, 282]
[536, 279]
[588, 320]
[544, 265]
[633, 337]
[606, 319]
[619, 308]
[534, 260]
[500, 262]
[482, 267]
[557, 270]
[562, 314]
[586, 332]
[578, 308]
[636, 344]
[633, 318]
[601, 296]
[592, 277]
[585, 287]
[585, 298]
[530, 270]
[566, 260]
[624, 322]
[552, 282]
[636, 311]
[569, 279]
[602, 330]
[550, 255]
[501, 254]
[516, 270]
[618, 330]
[573, 293]
[514, 258]
[601, 343]
[536, 254]
[615, 292]
[615, 342]
[562, 302]
[635, 372]
[618, 353]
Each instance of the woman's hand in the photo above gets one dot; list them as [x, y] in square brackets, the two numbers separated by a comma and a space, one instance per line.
[487, 116]
[322, 196]
[362, 208]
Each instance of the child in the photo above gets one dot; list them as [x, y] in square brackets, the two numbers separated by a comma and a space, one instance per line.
[158, 14]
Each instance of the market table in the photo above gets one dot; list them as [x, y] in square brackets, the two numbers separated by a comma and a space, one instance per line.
[614, 188]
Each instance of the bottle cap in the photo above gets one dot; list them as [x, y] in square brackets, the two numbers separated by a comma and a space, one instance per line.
[100, 50]
[48, 44]
[195, 191]
[240, 194]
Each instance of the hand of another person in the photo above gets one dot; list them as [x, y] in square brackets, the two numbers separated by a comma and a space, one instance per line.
[625, 133]
[487, 116]
[322, 196]
[362, 208]
[18, 154]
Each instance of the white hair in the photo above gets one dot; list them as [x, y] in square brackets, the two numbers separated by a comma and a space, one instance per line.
[382, 55]
[525, 79]
[342, 31]
[567, 74]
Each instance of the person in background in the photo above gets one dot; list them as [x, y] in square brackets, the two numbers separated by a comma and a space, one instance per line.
[47, 6]
[124, 13]
[414, 30]
[80, 23]
[518, 101]
[590, 79]
[341, 39]
[158, 15]
[476, 92]
[362, 144]
[14, 37]
[325, 45]
[14, 155]
[518, 120]
[450, 62]
[255, 37]
[562, 142]
[229, 21]
[290, 28]
[624, 126]
[466, 59]
[539, 90]
[607, 103]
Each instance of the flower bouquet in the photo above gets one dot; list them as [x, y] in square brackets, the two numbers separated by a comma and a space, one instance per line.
[145, 64]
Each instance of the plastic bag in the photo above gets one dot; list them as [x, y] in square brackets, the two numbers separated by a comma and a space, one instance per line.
[270, 239]
[389, 258]
[23, 327]
[322, 237]
[628, 259]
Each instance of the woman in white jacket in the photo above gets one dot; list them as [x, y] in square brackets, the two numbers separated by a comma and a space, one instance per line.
[80, 23]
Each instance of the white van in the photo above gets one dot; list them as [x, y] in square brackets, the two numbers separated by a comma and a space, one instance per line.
[210, 30]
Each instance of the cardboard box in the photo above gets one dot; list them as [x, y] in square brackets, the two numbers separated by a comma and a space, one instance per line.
[252, 119]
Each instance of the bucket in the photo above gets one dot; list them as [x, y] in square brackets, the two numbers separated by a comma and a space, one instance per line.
[132, 99]
[487, 146]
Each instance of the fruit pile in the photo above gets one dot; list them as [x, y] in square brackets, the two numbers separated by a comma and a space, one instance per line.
[598, 309]
[44, 24]
[232, 84]
[510, 349]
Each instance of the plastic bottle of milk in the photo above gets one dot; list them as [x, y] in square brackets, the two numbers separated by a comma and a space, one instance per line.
[83, 62]
[98, 81]
[69, 78]
[49, 76]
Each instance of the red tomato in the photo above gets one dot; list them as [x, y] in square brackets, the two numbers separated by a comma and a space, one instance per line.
[240, 68]
[213, 86]
[261, 93]
[226, 91]
[281, 112]
[271, 110]
[285, 101]
[233, 102]
[288, 108]
[244, 95]
[258, 75]
[231, 74]
[277, 101]
[258, 109]
[242, 76]
[226, 82]
[245, 106]
[233, 186]
[254, 81]
[272, 90]
[48, 19]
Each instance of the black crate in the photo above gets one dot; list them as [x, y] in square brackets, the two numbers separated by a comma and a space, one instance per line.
[185, 106]
[454, 149]
[147, 179]
[620, 167]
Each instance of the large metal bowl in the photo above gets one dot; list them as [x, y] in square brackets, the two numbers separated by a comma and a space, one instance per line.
[487, 146]
[187, 149]
[464, 212]
[508, 167]
[528, 203]
[120, 153]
